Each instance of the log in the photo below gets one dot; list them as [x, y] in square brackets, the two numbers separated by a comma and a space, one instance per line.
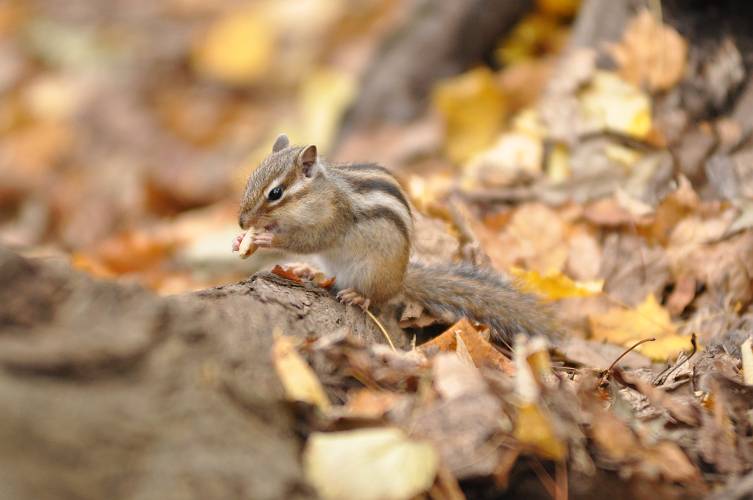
[110, 391]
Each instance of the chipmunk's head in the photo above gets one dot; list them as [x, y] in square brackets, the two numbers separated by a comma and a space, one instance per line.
[283, 177]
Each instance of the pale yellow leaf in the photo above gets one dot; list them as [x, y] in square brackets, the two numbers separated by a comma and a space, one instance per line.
[558, 167]
[297, 377]
[369, 464]
[747, 357]
[611, 103]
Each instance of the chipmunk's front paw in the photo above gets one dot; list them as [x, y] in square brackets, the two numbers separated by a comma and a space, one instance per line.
[264, 240]
[349, 296]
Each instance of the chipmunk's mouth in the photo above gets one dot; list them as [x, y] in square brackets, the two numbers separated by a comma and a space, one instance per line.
[270, 227]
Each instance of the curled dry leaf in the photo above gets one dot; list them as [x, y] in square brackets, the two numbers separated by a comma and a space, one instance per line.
[477, 343]
[286, 274]
[369, 464]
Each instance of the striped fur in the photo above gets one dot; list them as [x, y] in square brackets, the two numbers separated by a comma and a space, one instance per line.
[358, 222]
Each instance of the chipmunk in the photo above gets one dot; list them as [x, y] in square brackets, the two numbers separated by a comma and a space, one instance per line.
[357, 220]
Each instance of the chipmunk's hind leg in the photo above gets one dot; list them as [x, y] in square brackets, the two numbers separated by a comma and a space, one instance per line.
[352, 297]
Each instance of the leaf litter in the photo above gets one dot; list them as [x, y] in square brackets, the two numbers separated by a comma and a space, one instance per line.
[562, 166]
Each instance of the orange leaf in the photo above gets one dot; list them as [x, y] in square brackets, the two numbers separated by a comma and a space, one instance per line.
[476, 341]
[286, 274]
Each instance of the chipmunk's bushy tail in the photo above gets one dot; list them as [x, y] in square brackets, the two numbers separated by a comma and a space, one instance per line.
[452, 291]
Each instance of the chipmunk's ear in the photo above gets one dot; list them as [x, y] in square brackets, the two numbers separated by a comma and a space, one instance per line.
[281, 142]
[307, 160]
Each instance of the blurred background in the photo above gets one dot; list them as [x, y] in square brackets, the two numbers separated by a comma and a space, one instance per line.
[128, 128]
[600, 151]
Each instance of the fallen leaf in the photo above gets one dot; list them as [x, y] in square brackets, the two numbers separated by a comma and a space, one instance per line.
[610, 103]
[650, 53]
[298, 379]
[598, 355]
[473, 108]
[286, 274]
[533, 428]
[454, 377]
[555, 286]
[516, 157]
[683, 409]
[746, 350]
[323, 281]
[682, 295]
[477, 343]
[649, 319]
[366, 403]
[324, 97]
[460, 428]
[378, 463]
[237, 48]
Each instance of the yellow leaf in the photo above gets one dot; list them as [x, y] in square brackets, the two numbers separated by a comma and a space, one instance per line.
[649, 319]
[324, 97]
[369, 464]
[473, 107]
[564, 8]
[651, 53]
[527, 39]
[297, 377]
[610, 103]
[556, 285]
[534, 429]
[558, 164]
[237, 49]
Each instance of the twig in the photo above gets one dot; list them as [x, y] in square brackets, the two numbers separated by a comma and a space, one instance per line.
[381, 328]
[611, 367]
[665, 375]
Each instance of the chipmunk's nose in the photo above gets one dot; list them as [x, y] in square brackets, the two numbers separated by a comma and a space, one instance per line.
[244, 220]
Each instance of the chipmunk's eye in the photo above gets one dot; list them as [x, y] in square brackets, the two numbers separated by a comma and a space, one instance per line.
[276, 193]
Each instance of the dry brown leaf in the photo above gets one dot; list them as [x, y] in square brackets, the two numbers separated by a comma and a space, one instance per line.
[597, 355]
[684, 410]
[455, 377]
[651, 53]
[366, 403]
[135, 250]
[477, 343]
